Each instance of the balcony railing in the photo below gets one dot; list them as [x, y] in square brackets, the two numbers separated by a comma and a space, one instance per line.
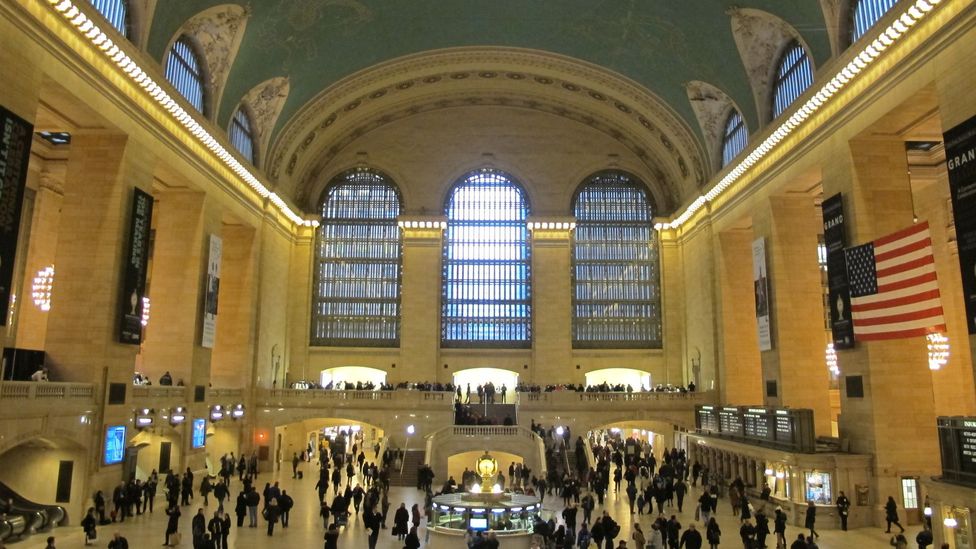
[159, 391]
[46, 390]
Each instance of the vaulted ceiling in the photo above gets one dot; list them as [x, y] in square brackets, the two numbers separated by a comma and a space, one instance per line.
[654, 48]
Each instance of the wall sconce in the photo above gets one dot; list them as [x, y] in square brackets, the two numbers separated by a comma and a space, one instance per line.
[216, 413]
[144, 418]
[178, 416]
[237, 412]
[927, 511]
[950, 522]
[41, 288]
[769, 472]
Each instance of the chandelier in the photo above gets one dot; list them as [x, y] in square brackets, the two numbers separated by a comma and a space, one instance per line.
[41, 288]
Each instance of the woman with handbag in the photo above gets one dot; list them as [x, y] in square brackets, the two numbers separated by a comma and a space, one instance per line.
[713, 533]
[88, 525]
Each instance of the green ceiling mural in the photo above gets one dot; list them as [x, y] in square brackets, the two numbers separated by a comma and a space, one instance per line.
[661, 44]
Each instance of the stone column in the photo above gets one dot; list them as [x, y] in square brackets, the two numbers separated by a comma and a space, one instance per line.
[894, 419]
[41, 248]
[185, 220]
[741, 371]
[233, 351]
[796, 361]
[82, 329]
[679, 366]
[552, 291]
[420, 306]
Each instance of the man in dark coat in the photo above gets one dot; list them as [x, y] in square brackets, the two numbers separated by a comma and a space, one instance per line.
[691, 539]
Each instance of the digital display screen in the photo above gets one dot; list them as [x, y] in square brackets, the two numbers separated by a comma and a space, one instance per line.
[114, 444]
[478, 523]
[199, 438]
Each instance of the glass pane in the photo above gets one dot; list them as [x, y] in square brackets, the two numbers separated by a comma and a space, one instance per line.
[867, 13]
[356, 290]
[486, 263]
[735, 138]
[240, 134]
[183, 72]
[616, 297]
[114, 11]
[794, 76]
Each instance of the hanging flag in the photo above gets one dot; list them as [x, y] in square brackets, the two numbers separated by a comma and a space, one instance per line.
[894, 289]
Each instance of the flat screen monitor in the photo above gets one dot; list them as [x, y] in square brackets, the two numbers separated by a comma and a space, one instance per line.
[199, 438]
[114, 451]
[478, 523]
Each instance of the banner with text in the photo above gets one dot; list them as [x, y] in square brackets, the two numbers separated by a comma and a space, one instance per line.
[960, 148]
[761, 284]
[213, 289]
[15, 141]
[835, 239]
[133, 302]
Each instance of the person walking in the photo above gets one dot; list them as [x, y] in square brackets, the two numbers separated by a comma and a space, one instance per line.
[372, 522]
[172, 523]
[240, 508]
[400, 520]
[891, 515]
[118, 542]
[811, 520]
[285, 502]
[253, 499]
[779, 527]
[332, 537]
[271, 514]
[88, 526]
[691, 538]
[713, 533]
[638, 536]
[216, 528]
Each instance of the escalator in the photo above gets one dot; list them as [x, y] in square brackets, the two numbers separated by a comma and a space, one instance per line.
[23, 517]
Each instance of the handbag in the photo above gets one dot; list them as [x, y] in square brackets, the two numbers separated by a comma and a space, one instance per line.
[698, 512]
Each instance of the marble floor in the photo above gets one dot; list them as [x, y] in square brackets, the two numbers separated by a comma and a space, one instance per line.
[306, 530]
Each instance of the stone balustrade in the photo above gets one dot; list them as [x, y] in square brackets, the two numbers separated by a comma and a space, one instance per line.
[46, 390]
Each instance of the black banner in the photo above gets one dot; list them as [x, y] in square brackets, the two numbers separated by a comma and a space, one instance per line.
[15, 141]
[960, 147]
[134, 273]
[835, 239]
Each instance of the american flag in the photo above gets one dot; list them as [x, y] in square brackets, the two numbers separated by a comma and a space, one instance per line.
[894, 289]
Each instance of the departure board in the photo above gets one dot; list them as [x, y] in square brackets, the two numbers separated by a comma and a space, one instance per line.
[957, 442]
[784, 428]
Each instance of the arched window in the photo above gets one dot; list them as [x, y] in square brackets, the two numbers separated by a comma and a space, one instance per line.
[866, 13]
[116, 12]
[616, 297]
[241, 134]
[185, 72]
[794, 74]
[356, 295]
[486, 263]
[735, 137]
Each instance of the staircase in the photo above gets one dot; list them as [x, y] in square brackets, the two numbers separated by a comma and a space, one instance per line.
[412, 459]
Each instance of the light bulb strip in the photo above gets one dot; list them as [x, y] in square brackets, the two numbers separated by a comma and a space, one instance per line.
[917, 11]
[90, 30]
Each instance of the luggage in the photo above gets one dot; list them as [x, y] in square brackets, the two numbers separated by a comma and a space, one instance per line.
[175, 538]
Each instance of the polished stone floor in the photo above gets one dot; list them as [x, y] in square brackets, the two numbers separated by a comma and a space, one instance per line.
[306, 530]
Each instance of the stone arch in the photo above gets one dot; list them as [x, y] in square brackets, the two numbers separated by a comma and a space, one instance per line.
[216, 34]
[761, 38]
[263, 103]
[488, 77]
[712, 107]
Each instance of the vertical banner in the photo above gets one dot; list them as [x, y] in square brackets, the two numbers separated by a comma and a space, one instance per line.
[136, 263]
[960, 147]
[213, 288]
[15, 140]
[761, 284]
[841, 324]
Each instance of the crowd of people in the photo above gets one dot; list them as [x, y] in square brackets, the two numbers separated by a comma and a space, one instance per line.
[604, 388]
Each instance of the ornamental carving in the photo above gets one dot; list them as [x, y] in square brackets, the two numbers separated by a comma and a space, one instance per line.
[712, 107]
[264, 102]
[217, 34]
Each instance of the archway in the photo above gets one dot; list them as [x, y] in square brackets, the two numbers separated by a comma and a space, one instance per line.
[638, 380]
[500, 378]
[49, 471]
[337, 435]
[332, 377]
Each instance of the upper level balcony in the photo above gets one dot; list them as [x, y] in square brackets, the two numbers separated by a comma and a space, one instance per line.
[23, 399]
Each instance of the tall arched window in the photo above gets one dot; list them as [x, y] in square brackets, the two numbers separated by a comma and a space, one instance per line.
[185, 72]
[116, 12]
[616, 297]
[735, 137]
[794, 74]
[241, 134]
[866, 14]
[486, 264]
[356, 295]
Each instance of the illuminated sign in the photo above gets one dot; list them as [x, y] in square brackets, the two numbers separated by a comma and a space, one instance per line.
[199, 438]
[114, 444]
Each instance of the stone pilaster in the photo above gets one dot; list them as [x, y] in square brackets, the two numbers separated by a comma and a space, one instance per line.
[233, 351]
[741, 380]
[552, 312]
[420, 306]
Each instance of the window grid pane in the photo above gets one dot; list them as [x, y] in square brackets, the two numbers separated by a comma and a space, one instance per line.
[356, 299]
[793, 77]
[241, 136]
[616, 297]
[909, 493]
[866, 14]
[486, 264]
[183, 72]
[735, 138]
[114, 11]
